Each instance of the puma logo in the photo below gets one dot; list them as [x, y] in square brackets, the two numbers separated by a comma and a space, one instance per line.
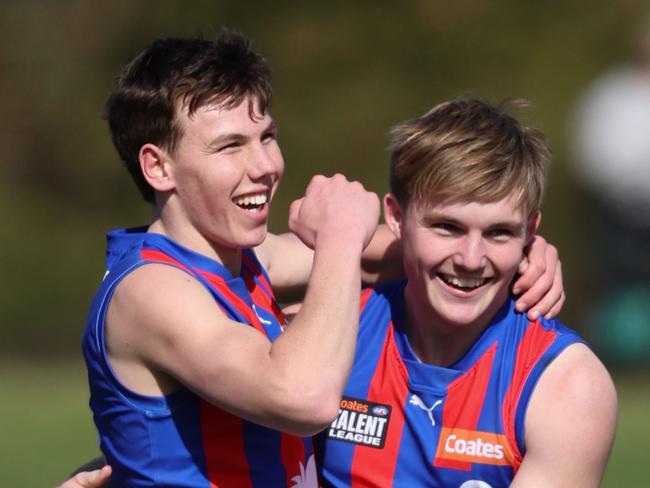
[264, 321]
[417, 401]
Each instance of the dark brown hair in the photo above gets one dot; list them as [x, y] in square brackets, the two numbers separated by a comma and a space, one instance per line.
[174, 74]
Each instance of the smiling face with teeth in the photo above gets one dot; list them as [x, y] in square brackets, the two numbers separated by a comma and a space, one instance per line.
[459, 258]
[219, 181]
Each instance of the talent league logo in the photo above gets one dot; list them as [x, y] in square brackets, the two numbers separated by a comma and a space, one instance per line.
[361, 422]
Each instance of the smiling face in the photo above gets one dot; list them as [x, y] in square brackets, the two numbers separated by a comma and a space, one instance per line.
[216, 187]
[459, 258]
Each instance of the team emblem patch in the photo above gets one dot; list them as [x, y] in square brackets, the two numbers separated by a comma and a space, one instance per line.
[361, 422]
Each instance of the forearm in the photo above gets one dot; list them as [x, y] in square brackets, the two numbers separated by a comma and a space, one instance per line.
[381, 260]
[315, 354]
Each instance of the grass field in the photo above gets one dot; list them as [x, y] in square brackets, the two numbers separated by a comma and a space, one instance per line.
[46, 428]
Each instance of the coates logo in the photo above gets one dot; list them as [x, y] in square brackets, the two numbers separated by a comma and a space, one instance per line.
[473, 447]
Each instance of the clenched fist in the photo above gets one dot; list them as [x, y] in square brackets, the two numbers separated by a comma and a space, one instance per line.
[334, 208]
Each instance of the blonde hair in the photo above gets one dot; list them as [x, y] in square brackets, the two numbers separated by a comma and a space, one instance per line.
[469, 150]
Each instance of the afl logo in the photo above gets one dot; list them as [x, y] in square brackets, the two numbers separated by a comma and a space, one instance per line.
[380, 410]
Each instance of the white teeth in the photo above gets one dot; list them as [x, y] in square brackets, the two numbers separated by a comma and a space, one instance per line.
[259, 199]
[464, 282]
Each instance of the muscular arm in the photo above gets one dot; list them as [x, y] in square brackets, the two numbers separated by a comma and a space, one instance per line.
[289, 262]
[163, 322]
[570, 423]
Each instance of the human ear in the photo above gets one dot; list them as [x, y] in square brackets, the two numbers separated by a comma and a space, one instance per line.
[155, 168]
[393, 214]
[533, 225]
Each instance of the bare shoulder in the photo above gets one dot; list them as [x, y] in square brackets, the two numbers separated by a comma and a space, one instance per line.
[148, 319]
[164, 323]
[153, 292]
[580, 380]
[570, 422]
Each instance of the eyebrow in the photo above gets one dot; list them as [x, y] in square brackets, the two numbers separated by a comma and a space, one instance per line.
[512, 224]
[509, 223]
[230, 137]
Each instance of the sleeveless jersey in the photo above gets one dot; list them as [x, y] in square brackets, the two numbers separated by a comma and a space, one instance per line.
[179, 439]
[403, 423]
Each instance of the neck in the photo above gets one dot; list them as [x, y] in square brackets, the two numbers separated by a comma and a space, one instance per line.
[435, 341]
[189, 237]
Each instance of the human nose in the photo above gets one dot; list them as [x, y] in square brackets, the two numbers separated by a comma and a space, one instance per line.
[470, 253]
[267, 160]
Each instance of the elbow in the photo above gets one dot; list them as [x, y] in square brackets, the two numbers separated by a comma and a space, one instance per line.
[323, 414]
[307, 414]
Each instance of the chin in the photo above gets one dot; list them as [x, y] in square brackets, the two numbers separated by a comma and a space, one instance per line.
[254, 239]
[465, 315]
[463, 321]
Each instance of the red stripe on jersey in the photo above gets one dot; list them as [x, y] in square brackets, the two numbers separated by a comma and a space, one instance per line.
[242, 307]
[217, 281]
[263, 295]
[376, 467]
[153, 255]
[159, 256]
[534, 343]
[260, 296]
[464, 402]
[223, 445]
[365, 296]
[293, 456]
[250, 264]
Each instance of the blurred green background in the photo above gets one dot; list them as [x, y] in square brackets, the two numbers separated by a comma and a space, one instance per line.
[344, 72]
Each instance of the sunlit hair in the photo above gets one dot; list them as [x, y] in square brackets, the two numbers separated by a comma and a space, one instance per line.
[181, 74]
[469, 150]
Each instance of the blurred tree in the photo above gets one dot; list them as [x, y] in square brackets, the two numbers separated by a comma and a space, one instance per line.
[344, 72]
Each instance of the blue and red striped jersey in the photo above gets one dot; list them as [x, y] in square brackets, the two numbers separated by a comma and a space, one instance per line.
[404, 423]
[179, 439]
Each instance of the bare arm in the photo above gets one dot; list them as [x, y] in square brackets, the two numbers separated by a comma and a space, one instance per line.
[164, 320]
[288, 261]
[570, 423]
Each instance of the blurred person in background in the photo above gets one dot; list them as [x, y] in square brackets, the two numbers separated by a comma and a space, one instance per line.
[610, 136]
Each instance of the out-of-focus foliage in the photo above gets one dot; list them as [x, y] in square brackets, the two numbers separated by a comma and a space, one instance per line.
[344, 72]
